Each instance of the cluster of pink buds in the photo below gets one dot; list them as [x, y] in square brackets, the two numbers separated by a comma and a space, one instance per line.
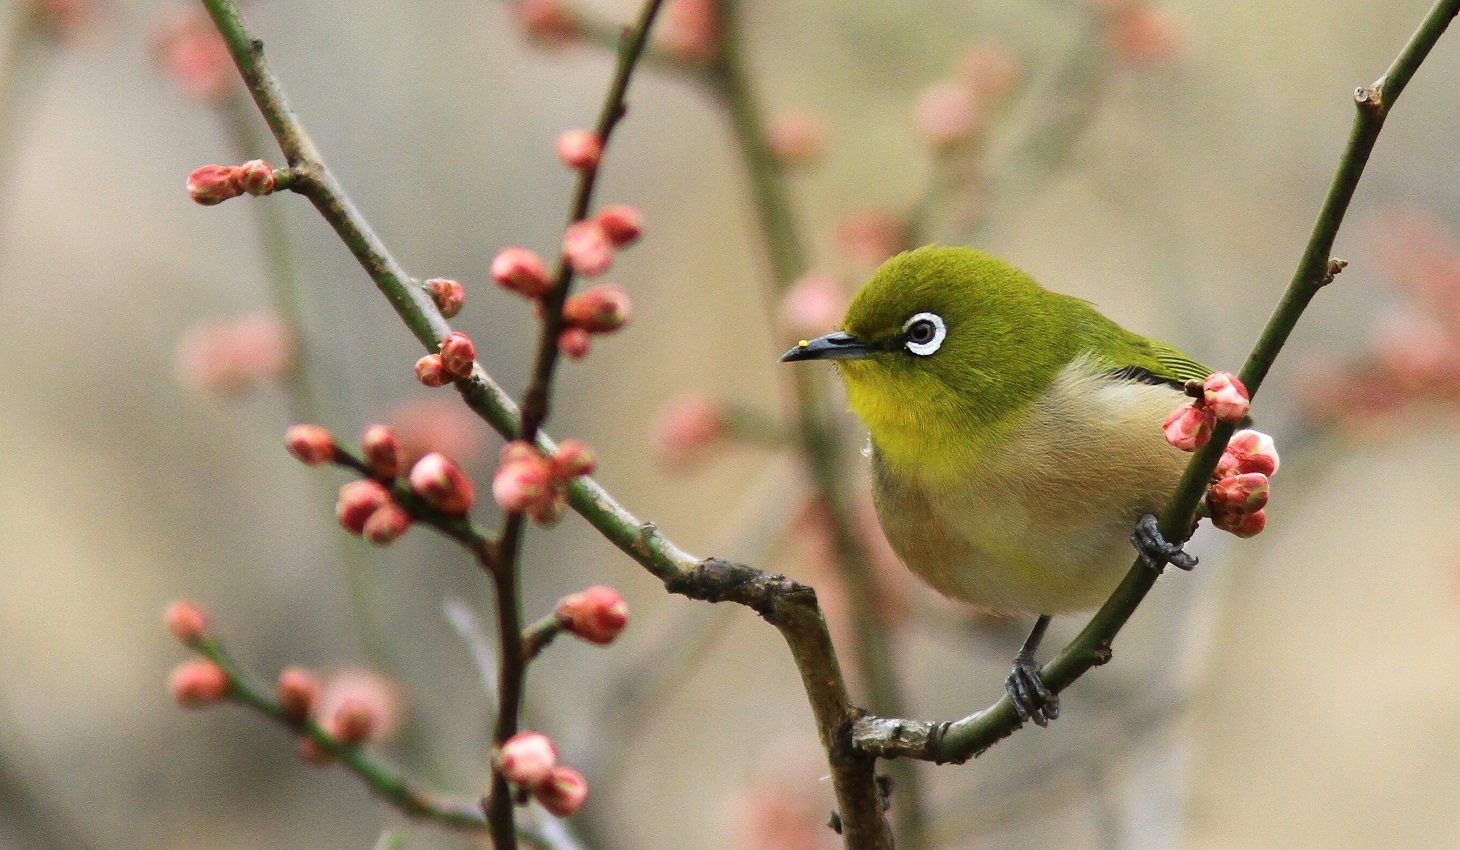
[453, 362]
[598, 310]
[198, 682]
[596, 614]
[589, 245]
[353, 707]
[529, 482]
[529, 761]
[214, 184]
[1238, 498]
[1221, 397]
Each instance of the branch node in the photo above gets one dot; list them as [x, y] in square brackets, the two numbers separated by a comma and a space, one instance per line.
[1335, 265]
[1370, 99]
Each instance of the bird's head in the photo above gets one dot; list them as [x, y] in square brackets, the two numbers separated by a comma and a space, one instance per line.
[943, 347]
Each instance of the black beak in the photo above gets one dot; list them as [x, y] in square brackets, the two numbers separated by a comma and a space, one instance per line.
[834, 346]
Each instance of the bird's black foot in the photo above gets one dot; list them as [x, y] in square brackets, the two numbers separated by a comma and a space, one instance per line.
[1027, 691]
[1154, 549]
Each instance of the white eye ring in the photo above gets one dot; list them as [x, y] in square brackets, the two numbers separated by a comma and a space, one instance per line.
[926, 346]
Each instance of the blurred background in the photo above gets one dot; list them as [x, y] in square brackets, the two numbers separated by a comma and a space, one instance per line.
[1164, 161]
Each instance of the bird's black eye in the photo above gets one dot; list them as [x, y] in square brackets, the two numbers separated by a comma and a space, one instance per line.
[923, 333]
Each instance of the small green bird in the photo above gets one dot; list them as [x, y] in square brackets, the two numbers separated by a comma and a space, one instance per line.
[1016, 437]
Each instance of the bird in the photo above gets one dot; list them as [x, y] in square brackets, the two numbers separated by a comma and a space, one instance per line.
[1015, 438]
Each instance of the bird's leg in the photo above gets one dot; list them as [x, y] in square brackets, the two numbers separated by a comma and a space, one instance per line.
[1154, 549]
[1026, 690]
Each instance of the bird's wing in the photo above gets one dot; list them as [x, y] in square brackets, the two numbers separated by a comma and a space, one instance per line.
[1176, 367]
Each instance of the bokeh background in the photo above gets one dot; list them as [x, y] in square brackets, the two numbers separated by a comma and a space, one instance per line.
[1296, 691]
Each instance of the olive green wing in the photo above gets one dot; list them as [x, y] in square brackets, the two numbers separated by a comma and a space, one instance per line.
[1174, 366]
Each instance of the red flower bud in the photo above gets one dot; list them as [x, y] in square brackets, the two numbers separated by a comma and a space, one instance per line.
[197, 683]
[622, 223]
[458, 355]
[587, 248]
[297, 692]
[1248, 451]
[386, 524]
[596, 614]
[256, 177]
[573, 343]
[214, 184]
[563, 792]
[1189, 428]
[441, 484]
[312, 444]
[521, 271]
[186, 621]
[1225, 397]
[572, 459]
[521, 483]
[601, 309]
[358, 500]
[447, 294]
[579, 149]
[352, 721]
[1244, 493]
[431, 371]
[550, 508]
[382, 451]
[526, 759]
[1241, 524]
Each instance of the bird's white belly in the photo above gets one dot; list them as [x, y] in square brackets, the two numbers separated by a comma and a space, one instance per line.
[1042, 524]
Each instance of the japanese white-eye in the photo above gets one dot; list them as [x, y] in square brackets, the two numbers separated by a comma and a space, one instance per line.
[1016, 435]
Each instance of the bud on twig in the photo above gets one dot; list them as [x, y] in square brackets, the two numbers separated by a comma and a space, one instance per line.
[587, 248]
[579, 149]
[431, 371]
[358, 501]
[1224, 395]
[352, 721]
[1248, 451]
[622, 223]
[214, 184]
[527, 759]
[312, 444]
[297, 692]
[1189, 427]
[458, 355]
[198, 683]
[186, 621]
[256, 177]
[601, 309]
[563, 792]
[382, 451]
[441, 484]
[521, 271]
[386, 524]
[573, 343]
[596, 615]
[448, 295]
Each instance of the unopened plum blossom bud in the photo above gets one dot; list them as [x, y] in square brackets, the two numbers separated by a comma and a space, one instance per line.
[521, 271]
[256, 177]
[579, 149]
[527, 758]
[622, 223]
[357, 501]
[587, 248]
[1241, 524]
[352, 721]
[601, 309]
[572, 459]
[1248, 451]
[458, 355]
[796, 138]
[186, 621]
[946, 114]
[688, 426]
[814, 303]
[690, 30]
[440, 483]
[549, 509]
[1224, 395]
[386, 524]
[197, 683]
[521, 483]
[1189, 428]
[431, 371]
[312, 444]
[573, 343]
[448, 295]
[549, 22]
[1245, 493]
[563, 792]
[297, 691]
[596, 614]
[517, 451]
[214, 184]
[382, 451]
[374, 696]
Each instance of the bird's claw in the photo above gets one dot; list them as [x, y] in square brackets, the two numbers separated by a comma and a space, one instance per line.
[1155, 551]
[1031, 698]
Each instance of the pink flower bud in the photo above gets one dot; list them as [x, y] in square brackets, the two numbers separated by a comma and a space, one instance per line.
[458, 355]
[197, 683]
[214, 184]
[186, 621]
[521, 484]
[587, 248]
[382, 451]
[447, 294]
[1248, 451]
[526, 759]
[579, 149]
[688, 426]
[256, 177]
[946, 114]
[351, 722]
[1189, 428]
[796, 138]
[572, 459]
[562, 792]
[1224, 395]
[312, 444]
[550, 508]
[431, 371]
[601, 309]
[1243, 493]
[358, 501]
[376, 701]
[441, 484]
[386, 524]
[596, 614]
[521, 271]
[297, 692]
[1241, 524]
[622, 223]
[518, 451]
[549, 22]
[573, 343]
[813, 304]
[690, 30]
[190, 51]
